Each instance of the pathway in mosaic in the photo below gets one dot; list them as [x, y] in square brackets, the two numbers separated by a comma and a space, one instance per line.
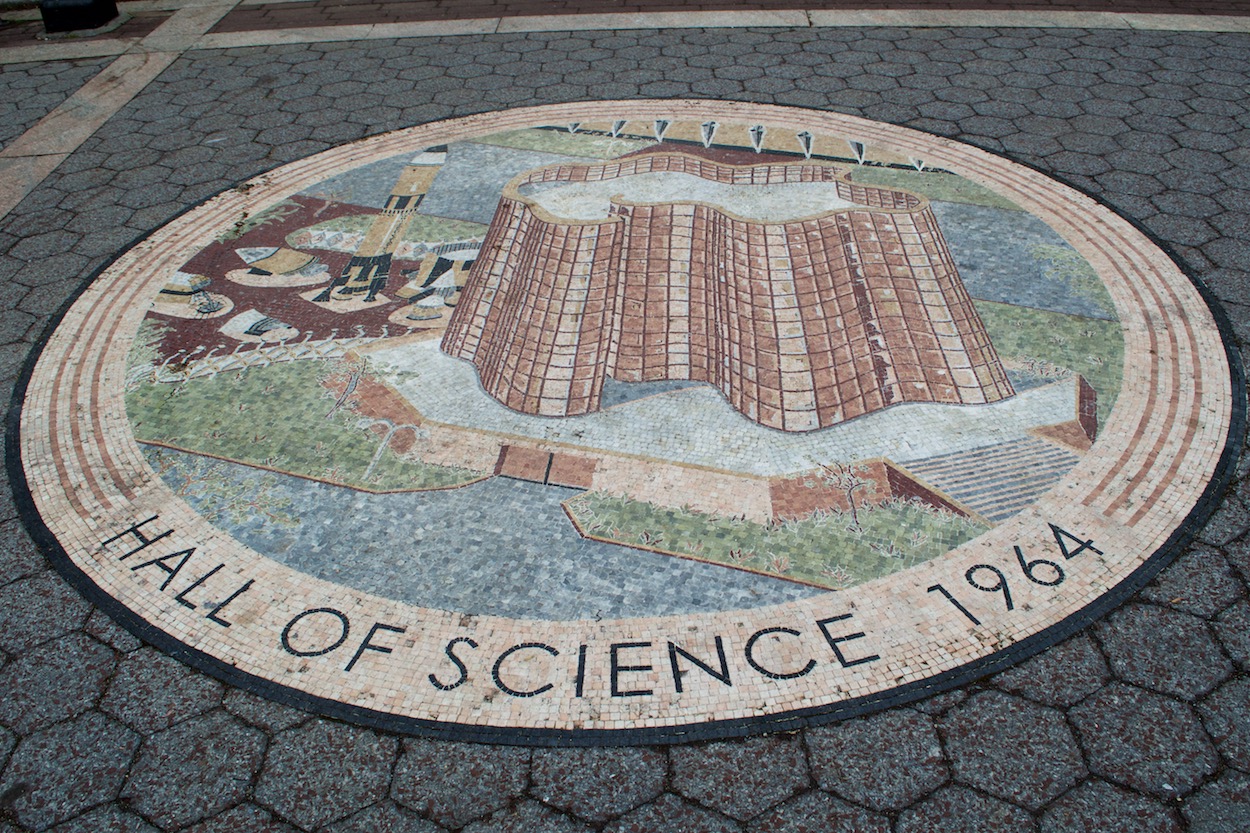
[795, 421]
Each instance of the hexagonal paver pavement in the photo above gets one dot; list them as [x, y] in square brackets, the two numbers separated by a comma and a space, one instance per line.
[101, 734]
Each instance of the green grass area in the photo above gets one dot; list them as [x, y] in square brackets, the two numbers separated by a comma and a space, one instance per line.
[945, 187]
[1052, 344]
[826, 549]
[563, 142]
[280, 417]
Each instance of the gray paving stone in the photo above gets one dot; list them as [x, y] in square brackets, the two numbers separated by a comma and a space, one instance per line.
[1144, 741]
[1200, 582]
[245, 818]
[259, 711]
[814, 811]
[1012, 748]
[38, 608]
[741, 778]
[194, 770]
[1226, 716]
[1106, 808]
[68, 768]
[455, 783]
[1221, 806]
[1230, 521]
[527, 817]
[7, 741]
[941, 703]
[103, 628]
[669, 812]
[383, 818]
[322, 771]
[31, 91]
[1163, 650]
[597, 783]
[1059, 676]
[1233, 630]
[19, 557]
[884, 761]
[106, 819]
[56, 681]
[1238, 552]
[959, 808]
[152, 691]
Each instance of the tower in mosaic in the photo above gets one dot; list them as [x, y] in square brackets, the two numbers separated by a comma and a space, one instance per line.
[802, 320]
[370, 266]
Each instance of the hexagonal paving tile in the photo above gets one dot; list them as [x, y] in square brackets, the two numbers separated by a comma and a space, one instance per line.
[885, 761]
[63, 770]
[58, 680]
[1097, 805]
[1059, 676]
[741, 778]
[457, 783]
[323, 771]
[1012, 748]
[1163, 650]
[1144, 740]
[959, 808]
[152, 691]
[598, 783]
[669, 812]
[194, 769]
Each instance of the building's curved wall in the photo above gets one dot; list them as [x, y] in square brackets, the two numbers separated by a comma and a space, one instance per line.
[801, 324]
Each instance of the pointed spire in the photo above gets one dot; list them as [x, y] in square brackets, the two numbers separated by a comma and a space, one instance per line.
[805, 142]
[573, 126]
[917, 164]
[708, 129]
[617, 127]
[757, 137]
[661, 125]
[859, 149]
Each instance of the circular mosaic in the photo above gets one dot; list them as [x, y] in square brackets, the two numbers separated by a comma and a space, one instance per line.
[620, 422]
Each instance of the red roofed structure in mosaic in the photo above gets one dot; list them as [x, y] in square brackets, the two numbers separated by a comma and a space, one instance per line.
[801, 321]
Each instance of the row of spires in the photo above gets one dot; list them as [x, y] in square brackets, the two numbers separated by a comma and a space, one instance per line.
[708, 133]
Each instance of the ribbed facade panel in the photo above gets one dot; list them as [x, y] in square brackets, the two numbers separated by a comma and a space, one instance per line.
[801, 324]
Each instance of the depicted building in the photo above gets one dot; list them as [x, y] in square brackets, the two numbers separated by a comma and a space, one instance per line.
[802, 320]
[370, 267]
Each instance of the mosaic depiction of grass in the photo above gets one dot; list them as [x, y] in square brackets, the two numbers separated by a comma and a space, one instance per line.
[1053, 345]
[936, 185]
[826, 549]
[280, 417]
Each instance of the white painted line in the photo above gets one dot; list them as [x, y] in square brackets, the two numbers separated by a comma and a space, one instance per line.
[80, 115]
[65, 50]
[20, 175]
[353, 32]
[653, 20]
[185, 27]
[1188, 22]
[928, 18]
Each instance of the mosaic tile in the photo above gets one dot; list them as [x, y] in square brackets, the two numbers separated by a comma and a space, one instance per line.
[619, 422]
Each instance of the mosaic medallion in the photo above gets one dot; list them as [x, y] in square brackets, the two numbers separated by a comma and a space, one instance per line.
[622, 422]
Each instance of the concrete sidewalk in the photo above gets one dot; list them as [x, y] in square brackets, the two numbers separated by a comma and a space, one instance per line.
[1140, 723]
